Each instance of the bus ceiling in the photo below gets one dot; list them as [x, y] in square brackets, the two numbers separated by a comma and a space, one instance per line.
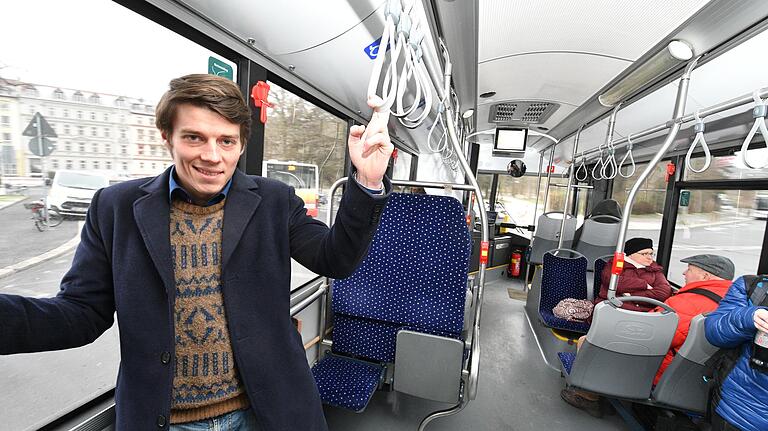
[496, 47]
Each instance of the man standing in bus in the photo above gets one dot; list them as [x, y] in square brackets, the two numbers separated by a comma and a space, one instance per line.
[196, 264]
[741, 400]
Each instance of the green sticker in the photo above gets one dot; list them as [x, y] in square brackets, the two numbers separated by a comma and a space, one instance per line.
[685, 198]
[220, 68]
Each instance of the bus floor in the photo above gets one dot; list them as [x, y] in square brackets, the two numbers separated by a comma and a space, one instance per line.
[516, 390]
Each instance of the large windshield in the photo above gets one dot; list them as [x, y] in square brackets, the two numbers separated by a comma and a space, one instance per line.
[81, 181]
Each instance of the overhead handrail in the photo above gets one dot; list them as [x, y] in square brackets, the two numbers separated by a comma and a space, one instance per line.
[680, 101]
[597, 169]
[683, 119]
[699, 129]
[581, 167]
[631, 158]
[758, 113]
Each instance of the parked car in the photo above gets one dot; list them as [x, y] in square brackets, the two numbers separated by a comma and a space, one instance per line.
[71, 191]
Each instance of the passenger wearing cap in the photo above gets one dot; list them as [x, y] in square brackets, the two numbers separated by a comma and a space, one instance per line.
[641, 276]
[705, 271]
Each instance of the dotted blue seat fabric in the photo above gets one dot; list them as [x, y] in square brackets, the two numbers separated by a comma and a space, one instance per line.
[415, 272]
[346, 383]
[599, 266]
[414, 276]
[562, 277]
[566, 359]
[364, 338]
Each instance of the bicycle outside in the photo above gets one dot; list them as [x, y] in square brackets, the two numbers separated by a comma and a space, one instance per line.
[43, 219]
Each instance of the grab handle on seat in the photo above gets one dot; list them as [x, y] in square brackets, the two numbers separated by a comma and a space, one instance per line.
[619, 300]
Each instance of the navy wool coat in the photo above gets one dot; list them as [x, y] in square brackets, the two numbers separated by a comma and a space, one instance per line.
[123, 264]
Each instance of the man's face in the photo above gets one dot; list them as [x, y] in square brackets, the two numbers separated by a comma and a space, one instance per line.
[205, 148]
[694, 273]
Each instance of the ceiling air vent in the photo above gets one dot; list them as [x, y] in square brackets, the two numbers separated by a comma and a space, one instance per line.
[522, 112]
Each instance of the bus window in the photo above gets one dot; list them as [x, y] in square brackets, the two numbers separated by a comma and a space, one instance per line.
[304, 147]
[517, 197]
[301, 176]
[706, 222]
[103, 115]
[402, 167]
[649, 203]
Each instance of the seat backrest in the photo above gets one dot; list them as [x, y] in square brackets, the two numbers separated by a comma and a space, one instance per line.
[599, 266]
[564, 275]
[415, 273]
[598, 238]
[683, 385]
[547, 235]
[623, 351]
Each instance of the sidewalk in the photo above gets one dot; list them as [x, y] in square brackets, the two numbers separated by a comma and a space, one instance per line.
[685, 221]
[22, 245]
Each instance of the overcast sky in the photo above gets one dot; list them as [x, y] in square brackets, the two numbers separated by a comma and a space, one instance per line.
[93, 45]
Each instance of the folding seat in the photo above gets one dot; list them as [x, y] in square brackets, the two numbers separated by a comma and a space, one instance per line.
[408, 294]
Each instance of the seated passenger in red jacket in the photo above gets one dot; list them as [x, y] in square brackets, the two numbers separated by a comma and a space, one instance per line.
[641, 276]
[705, 271]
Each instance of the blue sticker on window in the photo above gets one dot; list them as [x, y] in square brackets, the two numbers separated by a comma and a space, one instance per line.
[372, 50]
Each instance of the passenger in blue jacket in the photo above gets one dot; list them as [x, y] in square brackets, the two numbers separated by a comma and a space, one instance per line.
[196, 264]
[744, 393]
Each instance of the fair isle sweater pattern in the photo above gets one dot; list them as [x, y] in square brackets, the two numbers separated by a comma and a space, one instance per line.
[204, 366]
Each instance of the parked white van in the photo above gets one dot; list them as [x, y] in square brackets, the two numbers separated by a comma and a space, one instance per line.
[71, 191]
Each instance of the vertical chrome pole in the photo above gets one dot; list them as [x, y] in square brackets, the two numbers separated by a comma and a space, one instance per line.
[682, 95]
[571, 174]
[538, 190]
[549, 176]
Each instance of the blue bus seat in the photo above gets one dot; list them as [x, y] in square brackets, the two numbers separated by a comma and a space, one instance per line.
[413, 278]
[562, 277]
[596, 279]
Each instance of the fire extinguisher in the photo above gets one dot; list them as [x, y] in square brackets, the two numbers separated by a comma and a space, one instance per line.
[514, 264]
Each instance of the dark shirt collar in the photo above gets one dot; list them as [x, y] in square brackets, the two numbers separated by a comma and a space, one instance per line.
[175, 190]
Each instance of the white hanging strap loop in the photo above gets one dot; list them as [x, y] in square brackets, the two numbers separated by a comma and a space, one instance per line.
[758, 113]
[631, 159]
[596, 170]
[582, 168]
[699, 129]
[440, 146]
[609, 163]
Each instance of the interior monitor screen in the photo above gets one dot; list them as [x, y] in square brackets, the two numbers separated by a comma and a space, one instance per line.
[510, 140]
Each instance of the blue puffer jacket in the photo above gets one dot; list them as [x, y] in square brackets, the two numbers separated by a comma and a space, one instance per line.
[744, 400]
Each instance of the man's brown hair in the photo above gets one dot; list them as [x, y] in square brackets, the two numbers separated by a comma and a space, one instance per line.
[218, 94]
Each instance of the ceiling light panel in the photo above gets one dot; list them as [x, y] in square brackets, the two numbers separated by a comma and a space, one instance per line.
[617, 28]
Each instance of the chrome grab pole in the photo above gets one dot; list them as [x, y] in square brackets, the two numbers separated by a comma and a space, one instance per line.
[538, 189]
[549, 176]
[571, 174]
[682, 95]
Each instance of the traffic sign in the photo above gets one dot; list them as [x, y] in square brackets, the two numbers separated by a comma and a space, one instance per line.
[220, 68]
[47, 147]
[46, 129]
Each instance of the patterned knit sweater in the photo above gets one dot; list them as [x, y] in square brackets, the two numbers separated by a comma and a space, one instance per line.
[205, 381]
